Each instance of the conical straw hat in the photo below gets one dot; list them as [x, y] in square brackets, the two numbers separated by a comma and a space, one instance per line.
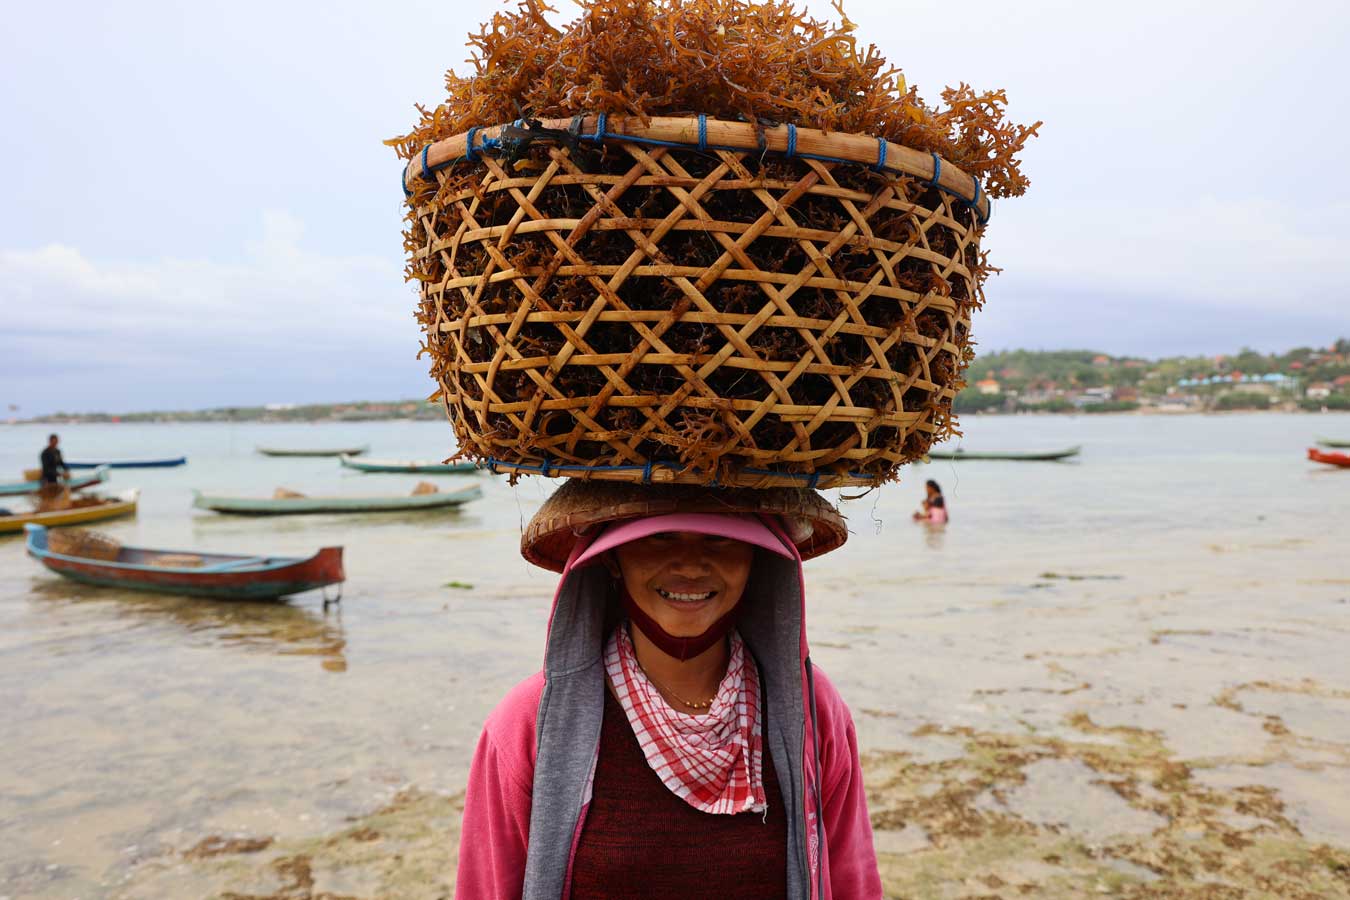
[813, 524]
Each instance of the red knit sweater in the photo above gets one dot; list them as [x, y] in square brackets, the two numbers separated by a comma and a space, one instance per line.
[641, 842]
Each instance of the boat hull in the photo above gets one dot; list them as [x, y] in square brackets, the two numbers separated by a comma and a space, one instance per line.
[1007, 455]
[18, 488]
[1334, 443]
[321, 451]
[128, 463]
[408, 468]
[267, 579]
[123, 504]
[281, 506]
[1341, 460]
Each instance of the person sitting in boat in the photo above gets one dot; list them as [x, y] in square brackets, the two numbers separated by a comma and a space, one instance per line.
[54, 473]
[934, 507]
[678, 742]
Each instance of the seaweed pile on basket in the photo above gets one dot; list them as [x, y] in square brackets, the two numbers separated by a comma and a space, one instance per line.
[699, 241]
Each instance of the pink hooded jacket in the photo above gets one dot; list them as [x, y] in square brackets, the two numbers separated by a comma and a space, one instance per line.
[520, 832]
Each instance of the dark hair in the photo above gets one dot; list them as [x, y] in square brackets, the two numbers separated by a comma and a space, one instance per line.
[52, 437]
[934, 485]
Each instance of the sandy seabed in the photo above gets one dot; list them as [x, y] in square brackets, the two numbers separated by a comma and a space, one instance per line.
[1125, 676]
[1075, 737]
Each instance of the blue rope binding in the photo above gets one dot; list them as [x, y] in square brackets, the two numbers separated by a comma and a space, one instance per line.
[469, 152]
[550, 469]
[792, 141]
[974, 203]
[881, 156]
[600, 123]
[702, 133]
[936, 180]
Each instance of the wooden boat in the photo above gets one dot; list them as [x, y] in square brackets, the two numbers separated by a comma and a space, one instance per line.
[280, 506]
[1331, 459]
[225, 577]
[1024, 455]
[313, 451]
[411, 468]
[1334, 443]
[91, 509]
[32, 487]
[166, 463]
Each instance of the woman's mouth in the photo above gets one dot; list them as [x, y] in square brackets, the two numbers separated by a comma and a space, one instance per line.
[686, 597]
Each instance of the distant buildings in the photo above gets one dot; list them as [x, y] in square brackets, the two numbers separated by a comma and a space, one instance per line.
[1274, 379]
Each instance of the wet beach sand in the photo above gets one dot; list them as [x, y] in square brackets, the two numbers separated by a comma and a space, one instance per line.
[1066, 742]
[1122, 677]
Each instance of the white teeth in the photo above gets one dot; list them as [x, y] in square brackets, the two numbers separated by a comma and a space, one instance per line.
[685, 598]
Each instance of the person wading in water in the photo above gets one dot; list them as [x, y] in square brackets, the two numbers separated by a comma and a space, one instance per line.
[934, 508]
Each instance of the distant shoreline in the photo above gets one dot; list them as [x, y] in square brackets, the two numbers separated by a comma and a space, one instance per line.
[169, 419]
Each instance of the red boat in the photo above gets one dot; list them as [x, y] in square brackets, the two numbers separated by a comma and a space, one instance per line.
[1331, 459]
[219, 576]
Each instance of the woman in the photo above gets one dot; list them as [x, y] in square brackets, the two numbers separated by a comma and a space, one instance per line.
[934, 507]
[679, 742]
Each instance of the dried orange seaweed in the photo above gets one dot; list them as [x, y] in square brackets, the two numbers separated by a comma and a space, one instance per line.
[722, 58]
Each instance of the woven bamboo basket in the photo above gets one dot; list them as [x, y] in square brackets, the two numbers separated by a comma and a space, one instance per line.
[692, 300]
[84, 544]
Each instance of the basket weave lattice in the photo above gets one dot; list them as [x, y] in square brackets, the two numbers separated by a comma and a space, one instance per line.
[82, 543]
[623, 309]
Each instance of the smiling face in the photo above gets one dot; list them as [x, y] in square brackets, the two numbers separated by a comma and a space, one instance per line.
[684, 580]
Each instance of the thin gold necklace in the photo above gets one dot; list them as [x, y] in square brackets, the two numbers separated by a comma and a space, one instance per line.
[689, 703]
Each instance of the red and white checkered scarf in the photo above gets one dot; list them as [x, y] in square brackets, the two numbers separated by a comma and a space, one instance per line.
[715, 761]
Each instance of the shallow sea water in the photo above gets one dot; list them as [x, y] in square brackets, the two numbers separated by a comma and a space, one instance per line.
[1185, 577]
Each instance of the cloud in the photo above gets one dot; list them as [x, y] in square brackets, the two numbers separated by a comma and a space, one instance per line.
[1226, 252]
[1053, 315]
[283, 320]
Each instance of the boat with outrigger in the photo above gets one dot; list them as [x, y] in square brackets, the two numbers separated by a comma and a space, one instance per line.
[167, 462]
[422, 467]
[34, 485]
[76, 511]
[313, 451]
[1012, 455]
[290, 503]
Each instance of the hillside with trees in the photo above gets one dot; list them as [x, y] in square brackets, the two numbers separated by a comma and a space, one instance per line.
[1091, 381]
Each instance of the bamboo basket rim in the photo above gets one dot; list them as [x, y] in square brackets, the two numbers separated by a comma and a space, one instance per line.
[668, 472]
[702, 133]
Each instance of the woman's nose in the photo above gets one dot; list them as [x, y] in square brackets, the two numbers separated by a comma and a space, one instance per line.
[689, 556]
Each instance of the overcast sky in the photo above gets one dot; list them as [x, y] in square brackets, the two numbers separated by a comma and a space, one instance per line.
[196, 209]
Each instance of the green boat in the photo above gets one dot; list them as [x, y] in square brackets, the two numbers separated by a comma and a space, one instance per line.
[1022, 455]
[1333, 442]
[32, 487]
[313, 451]
[300, 504]
[408, 467]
